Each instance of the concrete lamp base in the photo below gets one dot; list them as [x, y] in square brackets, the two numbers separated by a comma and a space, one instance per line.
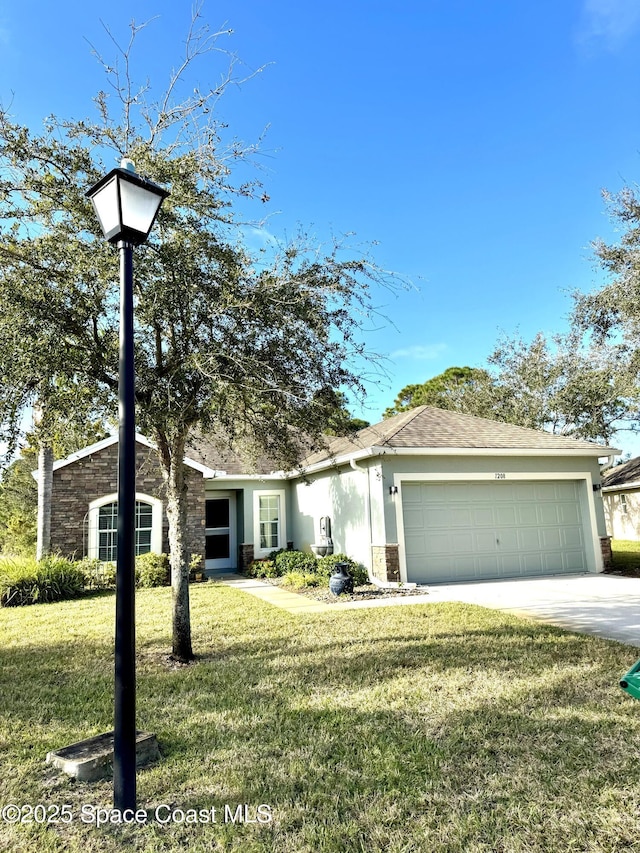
[92, 759]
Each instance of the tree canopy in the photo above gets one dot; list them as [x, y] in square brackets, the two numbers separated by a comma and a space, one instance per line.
[243, 348]
[565, 386]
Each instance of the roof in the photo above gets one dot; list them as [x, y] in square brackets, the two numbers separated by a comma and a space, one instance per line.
[423, 430]
[214, 454]
[211, 459]
[625, 476]
[432, 429]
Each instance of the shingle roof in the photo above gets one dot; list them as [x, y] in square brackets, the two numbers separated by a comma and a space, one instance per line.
[623, 475]
[428, 427]
[214, 454]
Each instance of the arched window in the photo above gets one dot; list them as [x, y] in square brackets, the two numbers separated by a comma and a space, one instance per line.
[103, 527]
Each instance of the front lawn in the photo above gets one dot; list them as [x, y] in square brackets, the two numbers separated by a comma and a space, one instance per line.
[409, 729]
[626, 557]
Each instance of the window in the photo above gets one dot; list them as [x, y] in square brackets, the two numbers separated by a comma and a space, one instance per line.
[268, 522]
[103, 527]
[624, 508]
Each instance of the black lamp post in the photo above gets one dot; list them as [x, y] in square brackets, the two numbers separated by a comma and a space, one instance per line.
[126, 206]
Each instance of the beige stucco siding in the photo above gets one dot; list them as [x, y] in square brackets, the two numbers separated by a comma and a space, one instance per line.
[344, 496]
[622, 514]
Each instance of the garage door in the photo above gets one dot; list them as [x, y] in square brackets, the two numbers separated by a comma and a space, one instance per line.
[472, 531]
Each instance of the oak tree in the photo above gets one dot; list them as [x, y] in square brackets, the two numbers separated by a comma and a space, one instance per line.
[239, 347]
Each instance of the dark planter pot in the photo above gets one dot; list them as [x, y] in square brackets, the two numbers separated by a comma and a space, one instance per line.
[341, 581]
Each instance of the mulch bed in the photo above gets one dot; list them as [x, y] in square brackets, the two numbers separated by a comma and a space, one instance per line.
[360, 593]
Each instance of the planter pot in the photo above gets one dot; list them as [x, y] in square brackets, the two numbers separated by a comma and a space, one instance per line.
[341, 581]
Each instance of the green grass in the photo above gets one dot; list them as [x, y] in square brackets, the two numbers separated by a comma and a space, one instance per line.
[626, 555]
[404, 729]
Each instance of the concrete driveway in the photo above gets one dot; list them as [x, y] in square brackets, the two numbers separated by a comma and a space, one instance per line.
[605, 605]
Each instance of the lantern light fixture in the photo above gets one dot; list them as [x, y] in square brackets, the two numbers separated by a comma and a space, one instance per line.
[126, 204]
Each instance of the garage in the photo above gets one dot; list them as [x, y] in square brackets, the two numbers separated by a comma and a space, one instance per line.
[461, 531]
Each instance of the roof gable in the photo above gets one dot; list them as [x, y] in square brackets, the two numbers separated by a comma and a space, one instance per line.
[195, 463]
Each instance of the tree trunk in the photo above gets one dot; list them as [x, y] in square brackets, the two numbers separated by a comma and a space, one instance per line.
[173, 470]
[45, 488]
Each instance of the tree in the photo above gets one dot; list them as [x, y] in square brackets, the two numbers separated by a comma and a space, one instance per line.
[461, 389]
[19, 491]
[569, 386]
[612, 313]
[237, 347]
[565, 386]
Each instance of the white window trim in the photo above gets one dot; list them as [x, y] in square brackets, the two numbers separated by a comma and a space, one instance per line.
[259, 552]
[156, 521]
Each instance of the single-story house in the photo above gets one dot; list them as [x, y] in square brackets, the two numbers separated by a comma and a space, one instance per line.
[425, 496]
[621, 497]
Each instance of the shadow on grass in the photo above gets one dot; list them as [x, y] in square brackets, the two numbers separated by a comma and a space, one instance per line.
[441, 728]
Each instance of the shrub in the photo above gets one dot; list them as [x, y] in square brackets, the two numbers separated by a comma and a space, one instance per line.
[27, 581]
[152, 570]
[299, 580]
[295, 561]
[98, 575]
[263, 569]
[327, 565]
[195, 566]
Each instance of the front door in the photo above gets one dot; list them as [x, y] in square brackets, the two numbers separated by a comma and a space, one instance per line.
[220, 515]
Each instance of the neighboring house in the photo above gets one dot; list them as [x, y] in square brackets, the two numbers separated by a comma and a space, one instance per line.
[425, 496]
[621, 496]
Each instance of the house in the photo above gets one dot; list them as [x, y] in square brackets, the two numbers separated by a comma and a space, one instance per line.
[425, 496]
[621, 497]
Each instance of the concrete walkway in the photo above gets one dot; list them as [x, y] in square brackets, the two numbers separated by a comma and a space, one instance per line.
[291, 601]
[605, 605]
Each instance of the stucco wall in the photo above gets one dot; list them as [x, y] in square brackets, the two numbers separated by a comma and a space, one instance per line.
[79, 483]
[343, 496]
[621, 524]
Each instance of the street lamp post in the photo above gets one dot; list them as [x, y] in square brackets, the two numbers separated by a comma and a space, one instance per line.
[126, 206]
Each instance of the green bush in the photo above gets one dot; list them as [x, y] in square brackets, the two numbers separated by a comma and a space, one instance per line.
[299, 580]
[97, 575]
[152, 570]
[26, 581]
[263, 569]
[327, 565]
[295, 561]
[299, 568]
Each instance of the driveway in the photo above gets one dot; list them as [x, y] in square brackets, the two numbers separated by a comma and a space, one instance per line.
[605, 605]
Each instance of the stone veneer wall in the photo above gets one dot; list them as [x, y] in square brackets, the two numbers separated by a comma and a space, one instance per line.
[607, 556]
[78, 484]
[245, 556]
[385, 562]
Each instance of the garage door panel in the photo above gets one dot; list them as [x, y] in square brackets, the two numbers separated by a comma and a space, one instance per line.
[463, 543]
[568, 514]
[549, 514]
[483, 516]
[508, 540]
[552, 538]
[465, 531]
[572, 538]
[486, 542]
[527, 514]
[505, 515]
[575, 561]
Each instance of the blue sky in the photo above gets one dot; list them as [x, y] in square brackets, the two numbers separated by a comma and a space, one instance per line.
[471, 140]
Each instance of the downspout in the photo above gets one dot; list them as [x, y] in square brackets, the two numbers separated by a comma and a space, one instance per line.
[373, 580]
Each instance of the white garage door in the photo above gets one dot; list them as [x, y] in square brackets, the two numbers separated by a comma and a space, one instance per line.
[471, 531]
